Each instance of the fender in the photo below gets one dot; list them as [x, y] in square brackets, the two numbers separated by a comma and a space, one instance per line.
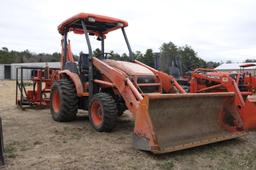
[75, 79]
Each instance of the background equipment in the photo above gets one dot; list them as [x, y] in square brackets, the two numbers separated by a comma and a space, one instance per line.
[210, 80]
[35, 89]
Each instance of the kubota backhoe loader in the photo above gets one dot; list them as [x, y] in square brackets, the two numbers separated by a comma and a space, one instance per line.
[166, 118]
[210, 80]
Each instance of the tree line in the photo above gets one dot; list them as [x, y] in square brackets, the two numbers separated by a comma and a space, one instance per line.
[169, 55]
[8, 57]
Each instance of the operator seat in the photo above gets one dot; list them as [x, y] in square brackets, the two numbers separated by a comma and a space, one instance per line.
[83, 64]
[71, 66]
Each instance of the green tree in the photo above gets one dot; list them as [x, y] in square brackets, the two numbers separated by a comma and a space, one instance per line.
[250, 61]
[172, 55]
[189, 59]
[5, 49]
[149, 58]
[6, 57]
[228, 62]
[97, 53]
[138, 55]
[124, 57]
[212, 64]
[114, 56]
[55, 57]
[168, 52]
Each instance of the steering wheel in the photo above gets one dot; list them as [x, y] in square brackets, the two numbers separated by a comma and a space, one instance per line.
[105, 55]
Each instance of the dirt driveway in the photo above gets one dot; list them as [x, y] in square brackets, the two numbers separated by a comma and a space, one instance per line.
[34, 141]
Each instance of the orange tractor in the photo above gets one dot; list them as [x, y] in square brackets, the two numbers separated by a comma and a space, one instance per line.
[166, 117]
[248, 79]
[210, 80]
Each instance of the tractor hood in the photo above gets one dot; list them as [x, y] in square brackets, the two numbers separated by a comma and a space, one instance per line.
[131, 69]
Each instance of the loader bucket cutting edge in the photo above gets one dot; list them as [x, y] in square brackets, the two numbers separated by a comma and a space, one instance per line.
[181, 121]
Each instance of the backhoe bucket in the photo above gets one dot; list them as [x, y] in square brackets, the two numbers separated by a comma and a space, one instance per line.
[179, 121]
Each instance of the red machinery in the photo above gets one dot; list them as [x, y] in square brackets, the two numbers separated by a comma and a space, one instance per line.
[248, 78]
[34, 89]
[210, 80]
[166, 117]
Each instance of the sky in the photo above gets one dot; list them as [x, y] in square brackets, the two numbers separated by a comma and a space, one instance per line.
[218, 30]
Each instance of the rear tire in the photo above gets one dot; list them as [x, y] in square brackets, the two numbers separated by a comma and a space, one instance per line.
[64, 101]
[103, 112]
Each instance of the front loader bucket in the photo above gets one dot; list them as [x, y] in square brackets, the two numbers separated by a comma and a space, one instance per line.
[180, 121]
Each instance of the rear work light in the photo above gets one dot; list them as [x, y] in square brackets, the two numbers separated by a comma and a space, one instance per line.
[91, 19]
[120, 24]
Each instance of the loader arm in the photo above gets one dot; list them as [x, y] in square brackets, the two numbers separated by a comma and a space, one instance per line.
[246, 107]
[222, 81]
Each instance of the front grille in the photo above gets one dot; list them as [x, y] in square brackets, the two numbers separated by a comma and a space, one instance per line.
[145, 80]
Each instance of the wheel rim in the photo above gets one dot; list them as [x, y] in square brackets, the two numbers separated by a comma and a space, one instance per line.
[56, 101]
[96, 113]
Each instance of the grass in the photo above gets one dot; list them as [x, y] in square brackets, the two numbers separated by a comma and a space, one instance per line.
[168, 164]
[234, 154]
[69, 133]
[11, 149]
[243, 160]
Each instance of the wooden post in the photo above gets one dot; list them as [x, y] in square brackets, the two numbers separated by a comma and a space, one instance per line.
[1, 143]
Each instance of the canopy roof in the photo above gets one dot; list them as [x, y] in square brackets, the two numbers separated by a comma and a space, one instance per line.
[96, 24]
[248, 65]
[234, 66]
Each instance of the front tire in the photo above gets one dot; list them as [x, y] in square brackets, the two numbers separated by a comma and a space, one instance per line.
[121, 108]
[64, 101]
[103, 112]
